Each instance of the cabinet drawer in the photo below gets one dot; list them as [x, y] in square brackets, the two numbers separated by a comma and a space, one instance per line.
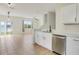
[73, 41]
[72, 51]
[72, 46]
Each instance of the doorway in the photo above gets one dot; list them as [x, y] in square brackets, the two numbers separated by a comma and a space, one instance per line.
[27, 26]
[5, 27]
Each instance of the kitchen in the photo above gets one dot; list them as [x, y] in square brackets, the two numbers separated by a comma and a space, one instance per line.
[54, 27]
[64, 38]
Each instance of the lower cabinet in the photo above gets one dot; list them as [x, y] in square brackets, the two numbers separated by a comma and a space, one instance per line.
[72, 46]
[48, 41]
[44, 39]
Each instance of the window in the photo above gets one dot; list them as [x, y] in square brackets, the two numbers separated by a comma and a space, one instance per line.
[5, 27]
[27, 23]
[8, 27]
[2, 27]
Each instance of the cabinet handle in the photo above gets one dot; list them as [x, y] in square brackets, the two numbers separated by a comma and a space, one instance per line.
[75, 19]
[76, 39]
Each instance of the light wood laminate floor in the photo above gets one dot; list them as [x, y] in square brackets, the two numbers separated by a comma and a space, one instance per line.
[21, 45]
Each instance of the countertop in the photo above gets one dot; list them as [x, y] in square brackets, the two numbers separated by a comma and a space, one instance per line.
[60, 35]
[43, 31]
[68, 34]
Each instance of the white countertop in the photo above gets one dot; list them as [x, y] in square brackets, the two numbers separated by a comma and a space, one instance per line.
[69, 34]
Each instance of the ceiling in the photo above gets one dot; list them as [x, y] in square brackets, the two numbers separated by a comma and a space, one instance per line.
[28, 9]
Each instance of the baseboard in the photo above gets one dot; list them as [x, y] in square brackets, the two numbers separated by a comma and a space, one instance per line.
[56, 53]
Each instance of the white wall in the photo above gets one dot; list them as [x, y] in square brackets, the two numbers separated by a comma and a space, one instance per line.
[72, 28]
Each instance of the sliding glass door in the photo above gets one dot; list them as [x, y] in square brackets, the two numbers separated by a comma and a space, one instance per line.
[27, 25]
[8, 27]
[2, 27]
[5, 27]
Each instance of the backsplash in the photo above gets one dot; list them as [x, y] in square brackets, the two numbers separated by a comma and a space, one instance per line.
[72, 28]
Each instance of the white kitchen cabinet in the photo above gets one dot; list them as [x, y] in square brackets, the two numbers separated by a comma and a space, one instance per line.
[72, 46]
[35, 23]
[44, 39]
[48, 41]
[77, 13]
[36, 37]
[49, 19]
[69, 13]
[45, 18]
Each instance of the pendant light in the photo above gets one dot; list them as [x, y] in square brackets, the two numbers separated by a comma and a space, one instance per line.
[8, 15]
[11, 6]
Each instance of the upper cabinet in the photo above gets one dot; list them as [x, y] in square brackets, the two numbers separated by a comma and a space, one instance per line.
[50, 19]
[69, 14]
[36, 23]
[77, 13]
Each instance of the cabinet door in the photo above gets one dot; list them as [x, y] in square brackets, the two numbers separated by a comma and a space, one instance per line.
[36, 37]
[45, 18]
[69, 13]
[49, 20]
[72, 46]
[77, 13]
[48, 41]
[42, 39]
[40, 34]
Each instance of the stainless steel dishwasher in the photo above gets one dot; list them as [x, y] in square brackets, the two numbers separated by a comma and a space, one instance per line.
[59, 44]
